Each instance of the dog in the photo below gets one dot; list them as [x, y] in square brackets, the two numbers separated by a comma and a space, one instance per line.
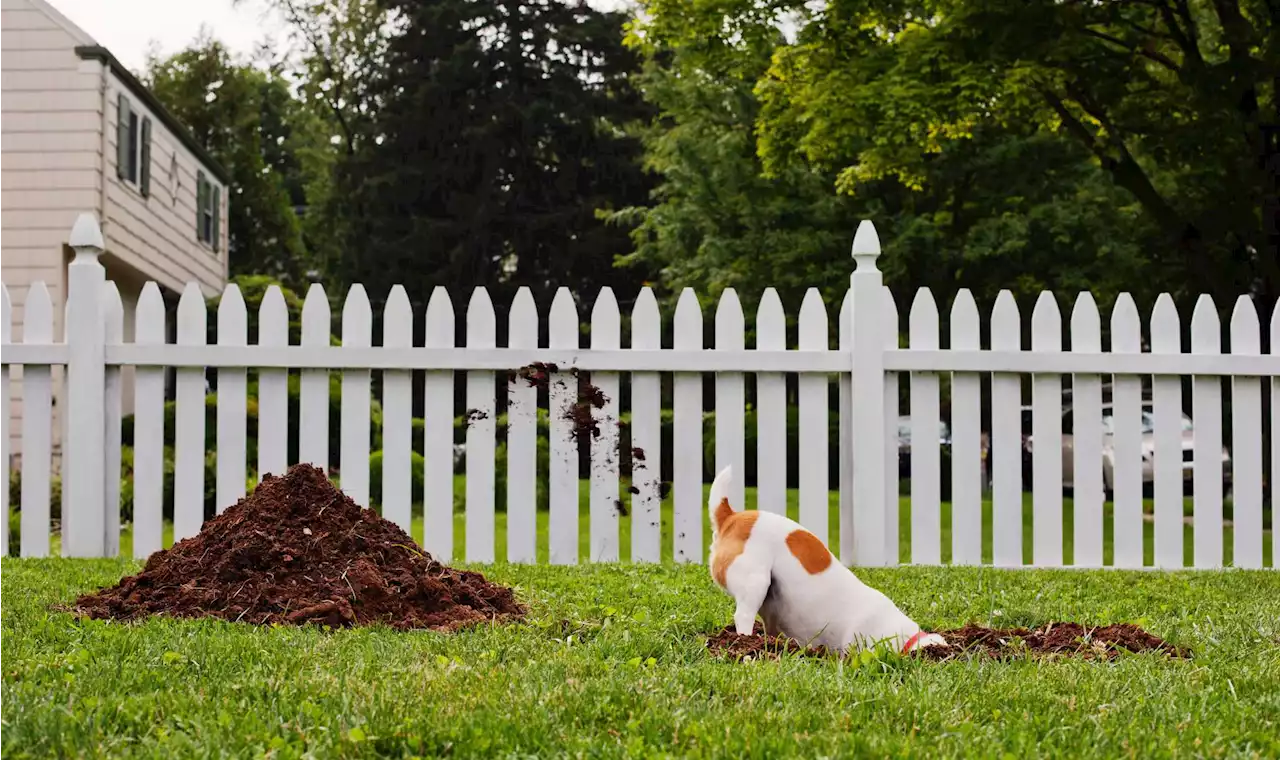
[772, 566]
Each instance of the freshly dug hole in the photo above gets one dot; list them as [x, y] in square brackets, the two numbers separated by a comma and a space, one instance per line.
[1054, 639]
[297, 551]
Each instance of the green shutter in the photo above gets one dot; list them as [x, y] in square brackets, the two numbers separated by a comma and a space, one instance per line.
[202, 198]
[122, 137]
[217, 213]
[144, 173]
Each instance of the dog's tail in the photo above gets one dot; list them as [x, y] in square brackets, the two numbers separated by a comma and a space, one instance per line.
[718, 502]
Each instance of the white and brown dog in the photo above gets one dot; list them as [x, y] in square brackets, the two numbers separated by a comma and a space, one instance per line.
[772, 566]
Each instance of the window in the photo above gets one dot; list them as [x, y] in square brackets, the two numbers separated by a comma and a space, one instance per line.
[208, 210]
[133, 147]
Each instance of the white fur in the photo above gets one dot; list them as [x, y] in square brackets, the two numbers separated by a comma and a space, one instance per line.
[832, 609]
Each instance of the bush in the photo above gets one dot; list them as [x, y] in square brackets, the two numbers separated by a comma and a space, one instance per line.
[252, 412]
[55, 494]
[417, 475]
[15, 533]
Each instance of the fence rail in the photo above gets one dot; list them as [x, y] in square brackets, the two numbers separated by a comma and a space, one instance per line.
[964, 488]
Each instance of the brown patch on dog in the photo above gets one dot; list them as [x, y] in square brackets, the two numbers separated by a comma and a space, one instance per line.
[809, 549]
[731, 539]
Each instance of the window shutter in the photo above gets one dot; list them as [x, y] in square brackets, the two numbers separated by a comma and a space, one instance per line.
[217, 214]
[144, 173]
[202, 197]
[123, 112]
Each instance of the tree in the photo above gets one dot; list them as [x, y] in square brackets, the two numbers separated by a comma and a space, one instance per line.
[245, 118]
[744, 203]
[1168, 98]
[496, 138]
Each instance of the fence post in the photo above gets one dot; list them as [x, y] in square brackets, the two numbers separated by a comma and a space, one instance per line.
[83, 474]
[867, 432]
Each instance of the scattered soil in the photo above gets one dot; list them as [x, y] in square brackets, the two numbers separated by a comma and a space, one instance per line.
[475, 415]
[299, 551]
[1054, 639]
[581, 413]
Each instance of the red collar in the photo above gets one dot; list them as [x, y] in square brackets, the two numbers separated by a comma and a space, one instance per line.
[911, 641]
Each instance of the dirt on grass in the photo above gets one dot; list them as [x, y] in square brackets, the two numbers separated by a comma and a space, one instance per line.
[1053, 639]
[299, 551]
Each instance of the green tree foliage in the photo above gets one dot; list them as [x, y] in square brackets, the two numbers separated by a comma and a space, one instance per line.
[480, 146]
[248, 120]
[1170, 100]
[752, 197]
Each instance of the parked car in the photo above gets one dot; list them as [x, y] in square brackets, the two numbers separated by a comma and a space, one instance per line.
[1147, 417]
[904, 453]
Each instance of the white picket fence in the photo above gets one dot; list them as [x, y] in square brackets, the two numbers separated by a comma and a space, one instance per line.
[869, 365]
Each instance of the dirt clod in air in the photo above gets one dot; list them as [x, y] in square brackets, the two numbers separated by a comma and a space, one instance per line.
[298, 551]
[475, 415]
[1051, 640]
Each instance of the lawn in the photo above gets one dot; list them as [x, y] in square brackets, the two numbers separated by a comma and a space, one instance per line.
[611, 664]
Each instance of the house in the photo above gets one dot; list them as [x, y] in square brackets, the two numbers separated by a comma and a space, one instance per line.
[81, 133]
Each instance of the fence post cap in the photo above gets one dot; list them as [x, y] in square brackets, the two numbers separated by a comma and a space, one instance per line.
[86, 235]
[866, 245]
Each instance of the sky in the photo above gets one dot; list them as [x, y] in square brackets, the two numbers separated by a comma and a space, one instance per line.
[129, 28]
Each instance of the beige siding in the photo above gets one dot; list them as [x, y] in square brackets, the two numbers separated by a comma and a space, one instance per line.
[51, 135]
[54, 132]
[157, 235]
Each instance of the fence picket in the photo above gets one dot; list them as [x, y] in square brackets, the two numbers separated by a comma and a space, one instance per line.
[646, 435]
[1166, 413]
[313, 395]
[966, 438]
[37, 426]
[562, 396]
[273, 387]
[397, 414]
[522, 438]
[1206, 413]
[148, 429]
[6, 409]
[189, 416]
[1086, 438]
[731, 398]
[892, 452]
[1275, 431]
[437, 434]
[1126, 417]
[353, 446]
[843, 449]
[113, 385]
[481, 430]
[771, 410]
[926, 463]
[814, 413]
[233, 330]
[1046, 427]
[1246, 441]
[1006, 439]
[605, 506]
[687, 436]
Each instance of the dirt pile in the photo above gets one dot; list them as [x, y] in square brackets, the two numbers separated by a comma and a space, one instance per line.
[1054, 639]
[297, 551]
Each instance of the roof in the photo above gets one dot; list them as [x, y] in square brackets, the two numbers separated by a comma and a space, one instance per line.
[140, 91]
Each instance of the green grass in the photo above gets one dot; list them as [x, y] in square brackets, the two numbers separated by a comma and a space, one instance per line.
[612, 664]
[793, 509]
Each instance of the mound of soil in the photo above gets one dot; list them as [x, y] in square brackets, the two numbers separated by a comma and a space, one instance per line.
[297, 551]
[1054, 639]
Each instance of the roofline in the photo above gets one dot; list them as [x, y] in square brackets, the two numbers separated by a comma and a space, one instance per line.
[140, 91]
[83, 37]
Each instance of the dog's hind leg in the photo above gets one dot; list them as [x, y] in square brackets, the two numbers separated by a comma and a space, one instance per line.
[749, 589]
